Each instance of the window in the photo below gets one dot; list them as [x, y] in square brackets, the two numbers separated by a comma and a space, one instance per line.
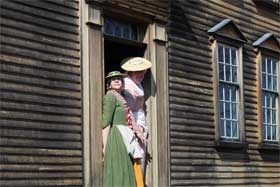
[122, 39]
[120, 29]
[268, 48]
[270, 96]
[227, 45]
[228, 88]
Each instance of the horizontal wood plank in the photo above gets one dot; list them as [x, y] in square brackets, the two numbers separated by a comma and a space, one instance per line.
[39, 167]
[40, 143]
[44, 182]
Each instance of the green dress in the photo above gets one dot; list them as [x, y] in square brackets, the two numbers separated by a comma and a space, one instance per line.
[118, 166]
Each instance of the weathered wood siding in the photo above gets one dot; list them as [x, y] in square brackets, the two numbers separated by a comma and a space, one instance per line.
[155, 8]
[40, 117]
[194, 160]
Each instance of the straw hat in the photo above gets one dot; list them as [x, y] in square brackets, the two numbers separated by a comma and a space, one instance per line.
[115, 74]
[135, 64]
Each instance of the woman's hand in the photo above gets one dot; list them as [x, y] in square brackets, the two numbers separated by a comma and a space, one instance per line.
[105, 133]
[140, 135]
[103, 150]
[138, 129]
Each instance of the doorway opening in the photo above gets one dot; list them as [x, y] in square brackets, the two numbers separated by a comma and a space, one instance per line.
[117, 49]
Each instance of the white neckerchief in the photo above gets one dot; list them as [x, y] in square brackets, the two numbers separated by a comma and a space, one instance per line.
[136, 87]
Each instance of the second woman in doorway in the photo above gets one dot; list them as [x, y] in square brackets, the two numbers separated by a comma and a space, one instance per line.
[136, 68]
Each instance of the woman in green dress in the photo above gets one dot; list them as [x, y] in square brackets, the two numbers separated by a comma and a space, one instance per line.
[118, 165]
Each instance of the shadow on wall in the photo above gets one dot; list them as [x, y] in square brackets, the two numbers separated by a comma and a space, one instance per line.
[241, 155]
[178, 21]
[149, 80]
[270, 155]
[267, 8]
[238, 3]
[230, 154]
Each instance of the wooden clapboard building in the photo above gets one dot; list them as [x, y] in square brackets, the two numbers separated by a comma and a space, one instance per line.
[224, 93]
[212, 94]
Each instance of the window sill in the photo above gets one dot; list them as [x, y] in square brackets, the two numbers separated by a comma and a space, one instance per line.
[269, 146]
[225, 144]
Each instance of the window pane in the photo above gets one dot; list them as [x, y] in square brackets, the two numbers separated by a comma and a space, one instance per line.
[222, 128]
[268, 132]
[263, 81]
[126, 31]
[220, 54]
[221, 72]
[269, 66]
[273, 133]
[273, 100]
[221, 92]
[263, 65]
[227, 93]
[108, 27]
[234, 129]
[228, 73]
[134, 32]
[234, 94]
[264, 131]
[234, 74]
[274, 68]
[273, 116]
[233, 56]
[228, 110]
[274, 83]
[268, 100]
[221, 108]
[228, 128]
[120, 29]
[234, 111]
[264, 116]
[268, 116]
[269, 82]
[227, 56]
[263, 99]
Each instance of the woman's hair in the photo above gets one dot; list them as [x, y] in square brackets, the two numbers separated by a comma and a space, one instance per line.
[108, 82]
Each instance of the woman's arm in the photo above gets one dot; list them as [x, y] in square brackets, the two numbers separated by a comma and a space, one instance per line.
[105, 132]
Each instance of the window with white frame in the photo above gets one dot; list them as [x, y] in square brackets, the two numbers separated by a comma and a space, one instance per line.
[120, 29]
[270, 96]
[228, 88]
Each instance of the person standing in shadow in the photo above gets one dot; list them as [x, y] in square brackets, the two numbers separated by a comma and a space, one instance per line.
[136, 68]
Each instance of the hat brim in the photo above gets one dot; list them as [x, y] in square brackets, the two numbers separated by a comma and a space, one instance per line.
[135, 64]
[119, 75]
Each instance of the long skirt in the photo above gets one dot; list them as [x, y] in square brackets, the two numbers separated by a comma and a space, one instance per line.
[118, 166]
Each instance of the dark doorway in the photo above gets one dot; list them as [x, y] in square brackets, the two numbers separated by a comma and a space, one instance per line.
[115, 50]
